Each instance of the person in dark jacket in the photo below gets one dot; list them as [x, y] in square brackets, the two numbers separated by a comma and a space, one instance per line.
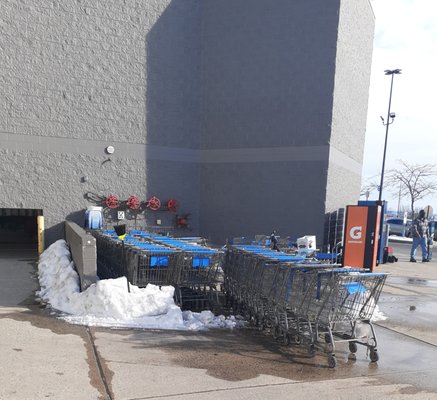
[274, 241]
[419, 232]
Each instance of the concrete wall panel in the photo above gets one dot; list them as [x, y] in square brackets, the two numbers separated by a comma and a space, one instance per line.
[52, 182]
[352, 80]
[202, 100]
[267, 72]
[255, 198]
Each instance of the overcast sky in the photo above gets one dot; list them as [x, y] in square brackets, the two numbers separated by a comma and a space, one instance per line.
[405, 38]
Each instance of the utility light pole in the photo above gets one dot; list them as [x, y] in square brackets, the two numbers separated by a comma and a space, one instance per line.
[390, 118]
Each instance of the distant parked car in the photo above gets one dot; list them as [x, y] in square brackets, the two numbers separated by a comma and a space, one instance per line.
[397, 227]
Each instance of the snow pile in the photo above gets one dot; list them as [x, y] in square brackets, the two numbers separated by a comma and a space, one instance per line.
[378, 315]
[395, 238]
[108, 302]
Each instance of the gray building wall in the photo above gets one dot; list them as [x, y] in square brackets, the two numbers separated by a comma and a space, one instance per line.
[276, 113]
[76, 77]
[236, 109]
[173, 109]
[349, 113]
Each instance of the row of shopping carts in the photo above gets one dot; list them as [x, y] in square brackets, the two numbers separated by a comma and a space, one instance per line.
[297, 299]
[302, 302]
[145, 258]
[286, 245]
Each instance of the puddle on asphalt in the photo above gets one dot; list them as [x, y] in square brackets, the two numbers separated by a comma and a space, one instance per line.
[411, 281]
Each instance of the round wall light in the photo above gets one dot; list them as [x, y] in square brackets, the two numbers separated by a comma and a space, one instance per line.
[110, 150]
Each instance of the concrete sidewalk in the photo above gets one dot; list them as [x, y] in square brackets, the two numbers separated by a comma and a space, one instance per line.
[410, 299]
[43, 357]
[418, 270]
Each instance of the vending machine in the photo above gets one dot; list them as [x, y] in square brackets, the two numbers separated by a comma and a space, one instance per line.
[360, 244]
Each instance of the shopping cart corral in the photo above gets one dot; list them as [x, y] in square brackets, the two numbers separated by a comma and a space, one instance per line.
[198, 278]
[300, 302]
[141, 262]
[193, 269]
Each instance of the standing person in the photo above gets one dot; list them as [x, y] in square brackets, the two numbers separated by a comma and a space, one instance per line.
[419, 232]
[431, 230]
[274, 241]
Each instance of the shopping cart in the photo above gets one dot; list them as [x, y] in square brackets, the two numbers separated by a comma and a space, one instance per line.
[149, 263]
[251, 276]
[197, 273]
[301, 300]
[109, 252]
[339, 308]
[140, 261]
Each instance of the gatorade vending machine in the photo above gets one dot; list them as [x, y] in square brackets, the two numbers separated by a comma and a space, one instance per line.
[383, 228]
[360, 244]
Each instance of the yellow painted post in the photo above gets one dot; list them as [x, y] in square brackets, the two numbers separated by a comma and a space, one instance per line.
[40, 224]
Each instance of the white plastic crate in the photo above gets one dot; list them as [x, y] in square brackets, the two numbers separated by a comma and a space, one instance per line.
[307, 242]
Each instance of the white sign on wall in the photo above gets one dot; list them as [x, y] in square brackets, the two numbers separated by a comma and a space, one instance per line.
[120, 215]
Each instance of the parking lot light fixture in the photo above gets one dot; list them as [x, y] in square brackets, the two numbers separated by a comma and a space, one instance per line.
[390, 118]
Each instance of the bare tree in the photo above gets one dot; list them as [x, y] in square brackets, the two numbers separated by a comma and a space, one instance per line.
[412, 180]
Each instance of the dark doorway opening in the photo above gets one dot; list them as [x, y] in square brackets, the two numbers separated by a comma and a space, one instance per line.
[19, 227]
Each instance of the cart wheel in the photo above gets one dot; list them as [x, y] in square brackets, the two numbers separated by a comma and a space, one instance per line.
[374, 356]
[178, 297]
[327, 338]
[312, 349]
[353, 347]
[332, 361]
[276, 332]
[286, 340]
[259, 323]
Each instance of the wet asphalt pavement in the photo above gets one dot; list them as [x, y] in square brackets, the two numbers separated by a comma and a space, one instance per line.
[43, 357]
